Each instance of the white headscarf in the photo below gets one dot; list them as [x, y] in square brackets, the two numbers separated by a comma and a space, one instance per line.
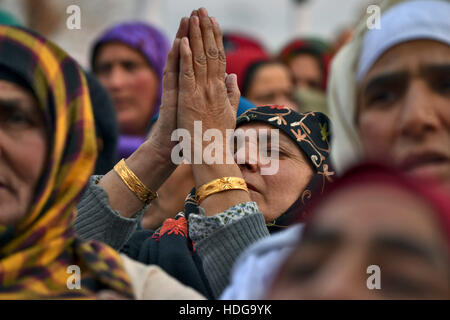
[401, 21]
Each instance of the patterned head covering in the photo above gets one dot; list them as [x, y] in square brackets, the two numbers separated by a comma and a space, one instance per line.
[144, 38]
[314, 47]
[36, 253]
[310, 132]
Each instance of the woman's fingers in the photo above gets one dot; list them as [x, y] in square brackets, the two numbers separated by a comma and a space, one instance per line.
[187, 77]
[220, 47]
[183, 29]
[233, 91]
[170, 76]
[198, 52]
[210, 46]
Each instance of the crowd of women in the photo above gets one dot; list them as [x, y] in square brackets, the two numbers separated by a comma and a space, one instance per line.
[363, 180]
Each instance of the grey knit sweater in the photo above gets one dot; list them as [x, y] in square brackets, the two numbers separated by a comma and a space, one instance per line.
[96, 220]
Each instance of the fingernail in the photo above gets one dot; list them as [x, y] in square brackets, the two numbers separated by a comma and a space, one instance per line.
[203, 12]
[185, 41]
[195, 20]
[214, 21]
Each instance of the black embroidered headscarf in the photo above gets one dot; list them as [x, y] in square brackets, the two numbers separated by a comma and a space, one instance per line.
[310, 132]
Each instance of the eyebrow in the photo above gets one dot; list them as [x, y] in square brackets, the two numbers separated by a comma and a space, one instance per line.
[401, 245]
[315, 235]
[390, 78]
[10, 104]
[435, 68]
[385, 80]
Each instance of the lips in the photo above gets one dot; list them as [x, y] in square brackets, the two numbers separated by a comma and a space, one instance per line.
[422, 160]
[121, 102]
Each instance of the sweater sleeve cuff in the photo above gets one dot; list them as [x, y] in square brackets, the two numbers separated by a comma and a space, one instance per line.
[201, 226]
[96, 220]
[222, 248]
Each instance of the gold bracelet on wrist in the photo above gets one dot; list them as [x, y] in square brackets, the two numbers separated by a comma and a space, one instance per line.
[219, 185]
[134, 183]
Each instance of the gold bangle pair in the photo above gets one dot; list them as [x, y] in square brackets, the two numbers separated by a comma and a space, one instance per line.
[134, 183]
[219, 185]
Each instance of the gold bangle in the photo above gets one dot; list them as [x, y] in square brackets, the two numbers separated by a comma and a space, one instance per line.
[219, 185]
[134, 183]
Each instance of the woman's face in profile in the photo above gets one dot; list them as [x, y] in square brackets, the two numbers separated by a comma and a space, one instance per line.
[23, 151]
[274, 193]
[358, 228]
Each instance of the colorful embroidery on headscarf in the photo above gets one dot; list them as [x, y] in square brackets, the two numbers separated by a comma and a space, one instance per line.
[310, 133]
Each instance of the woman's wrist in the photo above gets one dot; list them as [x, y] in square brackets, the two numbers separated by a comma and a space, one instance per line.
[151, 169]
[218, 202]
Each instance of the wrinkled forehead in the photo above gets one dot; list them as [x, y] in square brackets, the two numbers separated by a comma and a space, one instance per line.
[422, 58]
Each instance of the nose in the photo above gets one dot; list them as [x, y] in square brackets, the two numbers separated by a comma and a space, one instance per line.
[418, 115]
[247, 158]
[342, 279]
[115, 80]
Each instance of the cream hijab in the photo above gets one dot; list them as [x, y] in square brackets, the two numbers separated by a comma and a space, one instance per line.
[401, 21]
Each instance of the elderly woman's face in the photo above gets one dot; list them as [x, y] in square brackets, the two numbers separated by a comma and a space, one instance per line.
[274, 193]
[132, 84]
[353, 230]
[404, 109]
[23, 151]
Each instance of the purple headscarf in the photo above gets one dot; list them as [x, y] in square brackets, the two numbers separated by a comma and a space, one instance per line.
[145, 39]
[154, 46]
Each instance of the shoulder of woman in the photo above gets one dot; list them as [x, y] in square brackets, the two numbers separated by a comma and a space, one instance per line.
[150, 282]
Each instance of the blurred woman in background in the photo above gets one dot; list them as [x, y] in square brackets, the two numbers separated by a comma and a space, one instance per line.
[261, 79]
[129, 59]
[308, 60]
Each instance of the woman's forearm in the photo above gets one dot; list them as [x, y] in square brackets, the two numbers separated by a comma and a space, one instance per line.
[149, 167]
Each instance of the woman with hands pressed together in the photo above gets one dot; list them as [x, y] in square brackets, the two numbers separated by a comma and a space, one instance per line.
[110, 211]
[206, 94]
[195, 88]
[200, 245]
